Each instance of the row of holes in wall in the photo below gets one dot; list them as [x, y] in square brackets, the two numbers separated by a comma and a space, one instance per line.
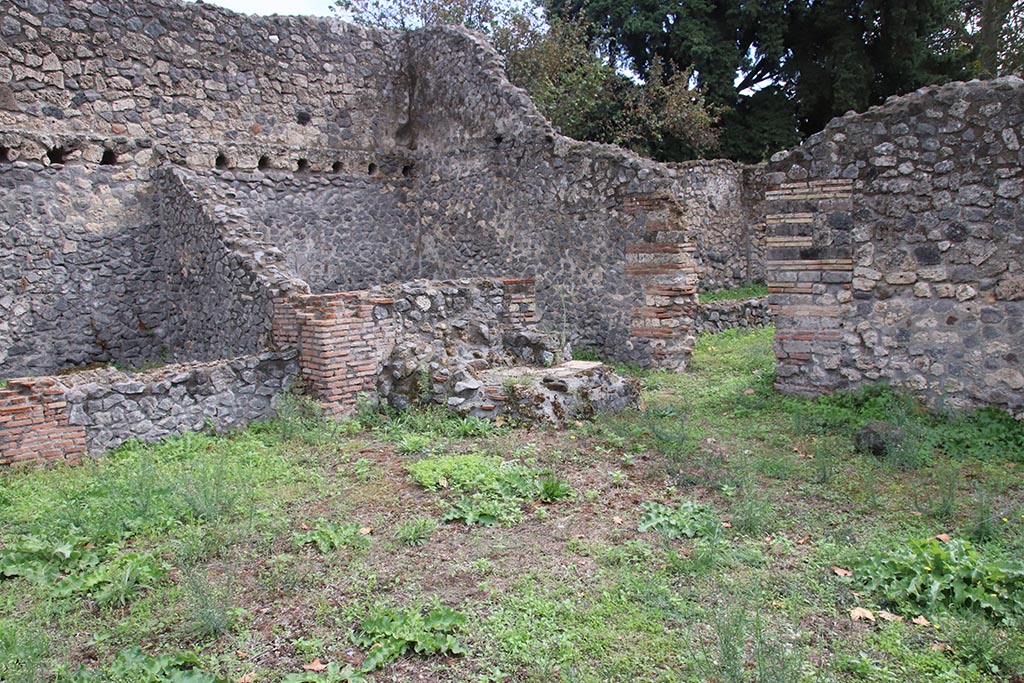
[58, 155]
[302, 166]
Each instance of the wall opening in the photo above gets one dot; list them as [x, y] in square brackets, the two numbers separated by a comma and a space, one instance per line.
[302, 166]
[109, 158]
[57, 155]
[371, 169]
[221, 162]
[336, 167]
[264, 163]
[407, 170]
[498, 139]
[303, 118]
[5, 155]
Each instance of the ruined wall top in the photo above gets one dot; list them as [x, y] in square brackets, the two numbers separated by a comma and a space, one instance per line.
[173, 72]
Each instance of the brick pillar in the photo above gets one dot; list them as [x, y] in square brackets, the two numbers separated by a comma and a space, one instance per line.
[341, 346]
[810, 268]
[520, 301]
[665, 264]
[34, 425]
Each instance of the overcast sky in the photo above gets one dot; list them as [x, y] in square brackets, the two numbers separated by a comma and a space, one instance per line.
[319, 7]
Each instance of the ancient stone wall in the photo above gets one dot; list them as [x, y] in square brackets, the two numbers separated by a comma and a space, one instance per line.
[49, 419]
[718, 316]
[179, 73]
[77, 283]
[112, 406]
[896, 248]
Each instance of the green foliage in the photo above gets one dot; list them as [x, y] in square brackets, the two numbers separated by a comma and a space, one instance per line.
[550, 489]
[387, 634]
[953, 575]
[729, 658]
[132, 666]
[988, 434]
[416, 531]
[209, 606]
[751, 290]
[22, 654]
[688, 520]
[73, 567]
[492, 490]
[328, 536]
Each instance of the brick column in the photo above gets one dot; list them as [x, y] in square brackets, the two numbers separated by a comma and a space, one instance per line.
[665, 264]
[341, 346]
[810, 268]
[34, 425]
[520, 301]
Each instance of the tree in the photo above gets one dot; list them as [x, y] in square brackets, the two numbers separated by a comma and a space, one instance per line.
[814, 58]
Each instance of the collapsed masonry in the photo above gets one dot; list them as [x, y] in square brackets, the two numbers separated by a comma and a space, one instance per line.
[183, 185]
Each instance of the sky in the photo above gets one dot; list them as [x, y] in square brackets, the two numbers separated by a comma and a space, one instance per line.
[318, 7]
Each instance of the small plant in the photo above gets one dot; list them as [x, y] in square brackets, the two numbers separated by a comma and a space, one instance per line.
[729, 659]
[483, 510]
[550, 489]
[617, 477]
[939, 501]
[982, 524]
[209, 607]
[952, 575]
[209, 489]
[688, 520]
[388, 634]
[364, 469]
[751, 514]
[22, 654]
[416, 531]
[409, 444]
[329, 536]
[134, 666]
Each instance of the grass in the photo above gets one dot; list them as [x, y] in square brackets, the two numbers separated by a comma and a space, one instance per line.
[724, 532]
[751, 290]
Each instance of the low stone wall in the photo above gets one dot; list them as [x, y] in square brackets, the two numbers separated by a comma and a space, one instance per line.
[49, 419]
[719, 316]
[345, 341]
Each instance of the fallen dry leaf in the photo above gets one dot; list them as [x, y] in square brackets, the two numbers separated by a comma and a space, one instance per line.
[839, 571]
[803, 539]
[727, 525]
[241, 655]
[366, 531]
[246, 678]
[749, 392]
[303, 526]
[617, 520]
[315, 665]
[861, 614]
[889, 616]
[942, 538]
[939, 647]
[915, 513]
[920, 620]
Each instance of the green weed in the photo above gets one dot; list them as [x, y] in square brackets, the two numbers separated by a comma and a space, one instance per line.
[328, 536]
[931, 574]
[688, 520]
[387, 634]
[416, 531]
